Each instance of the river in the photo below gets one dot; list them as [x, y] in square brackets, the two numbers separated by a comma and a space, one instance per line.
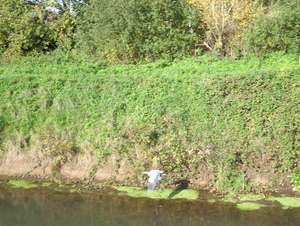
[46, 207]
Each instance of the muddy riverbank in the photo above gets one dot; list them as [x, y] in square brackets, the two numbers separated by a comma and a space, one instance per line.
[86, 169]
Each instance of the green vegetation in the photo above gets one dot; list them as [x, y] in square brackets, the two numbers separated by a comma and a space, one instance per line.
[277, 29]
[287, 201]
[47, 184]
[251, 201]
[295, 178]
[231, 116]
[67, 87]
[22, 184]
[27, 27]
[135, 31]
[248, 206]
[59, 195]
[251, 197]
[156, 194]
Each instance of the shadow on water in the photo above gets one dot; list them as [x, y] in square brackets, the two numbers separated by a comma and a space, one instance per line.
[180, 185]
[46, 207]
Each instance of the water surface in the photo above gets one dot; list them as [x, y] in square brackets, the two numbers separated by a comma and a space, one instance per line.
[45, 207]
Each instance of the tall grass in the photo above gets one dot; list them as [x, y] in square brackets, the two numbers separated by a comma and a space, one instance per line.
[233, 116]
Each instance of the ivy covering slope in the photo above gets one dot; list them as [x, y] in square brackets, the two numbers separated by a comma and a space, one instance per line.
[235, 118]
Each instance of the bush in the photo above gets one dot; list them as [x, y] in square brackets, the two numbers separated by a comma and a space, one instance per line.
[276, 30]
[30, 27]
[139, 30]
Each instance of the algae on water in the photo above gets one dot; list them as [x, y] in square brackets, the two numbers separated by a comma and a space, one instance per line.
[229, 199]
[59, 195]
[252, 197]
[47, 184]
[287, 201]
[156, 194]
[248, 206]
[22, 184]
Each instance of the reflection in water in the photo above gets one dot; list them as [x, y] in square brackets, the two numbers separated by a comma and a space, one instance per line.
[42, 207]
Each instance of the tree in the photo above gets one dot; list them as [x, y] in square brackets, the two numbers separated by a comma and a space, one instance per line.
[34, 27]
[22, 27]
[225, 21]
[62, 6]
[277, 29]
[135, 30]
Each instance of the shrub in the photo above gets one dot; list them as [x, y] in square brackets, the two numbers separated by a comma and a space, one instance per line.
[30, 27]
[277, 29]
[139, 30]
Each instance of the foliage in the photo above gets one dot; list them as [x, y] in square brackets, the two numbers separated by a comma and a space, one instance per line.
[227, 115]
[133, 31]
[295, 178]
[278, 29]
[31, 27]
[224, 22]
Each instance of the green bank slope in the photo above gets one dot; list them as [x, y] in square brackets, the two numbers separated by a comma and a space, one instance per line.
[231, 121]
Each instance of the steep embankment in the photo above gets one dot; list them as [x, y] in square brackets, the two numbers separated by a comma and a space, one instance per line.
[231, 125]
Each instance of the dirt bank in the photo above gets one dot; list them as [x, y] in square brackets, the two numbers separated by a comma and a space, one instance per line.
[87, 167]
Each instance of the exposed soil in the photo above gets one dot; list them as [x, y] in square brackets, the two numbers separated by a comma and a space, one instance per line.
[80, 167]
[86, 168]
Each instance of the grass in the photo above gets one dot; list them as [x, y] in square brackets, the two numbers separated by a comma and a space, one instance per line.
[230, 115]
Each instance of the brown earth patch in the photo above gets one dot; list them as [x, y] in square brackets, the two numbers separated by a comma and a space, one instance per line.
[80, 167]
[87, 166]
[204, 178]
[17, 163]
[17, 167]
